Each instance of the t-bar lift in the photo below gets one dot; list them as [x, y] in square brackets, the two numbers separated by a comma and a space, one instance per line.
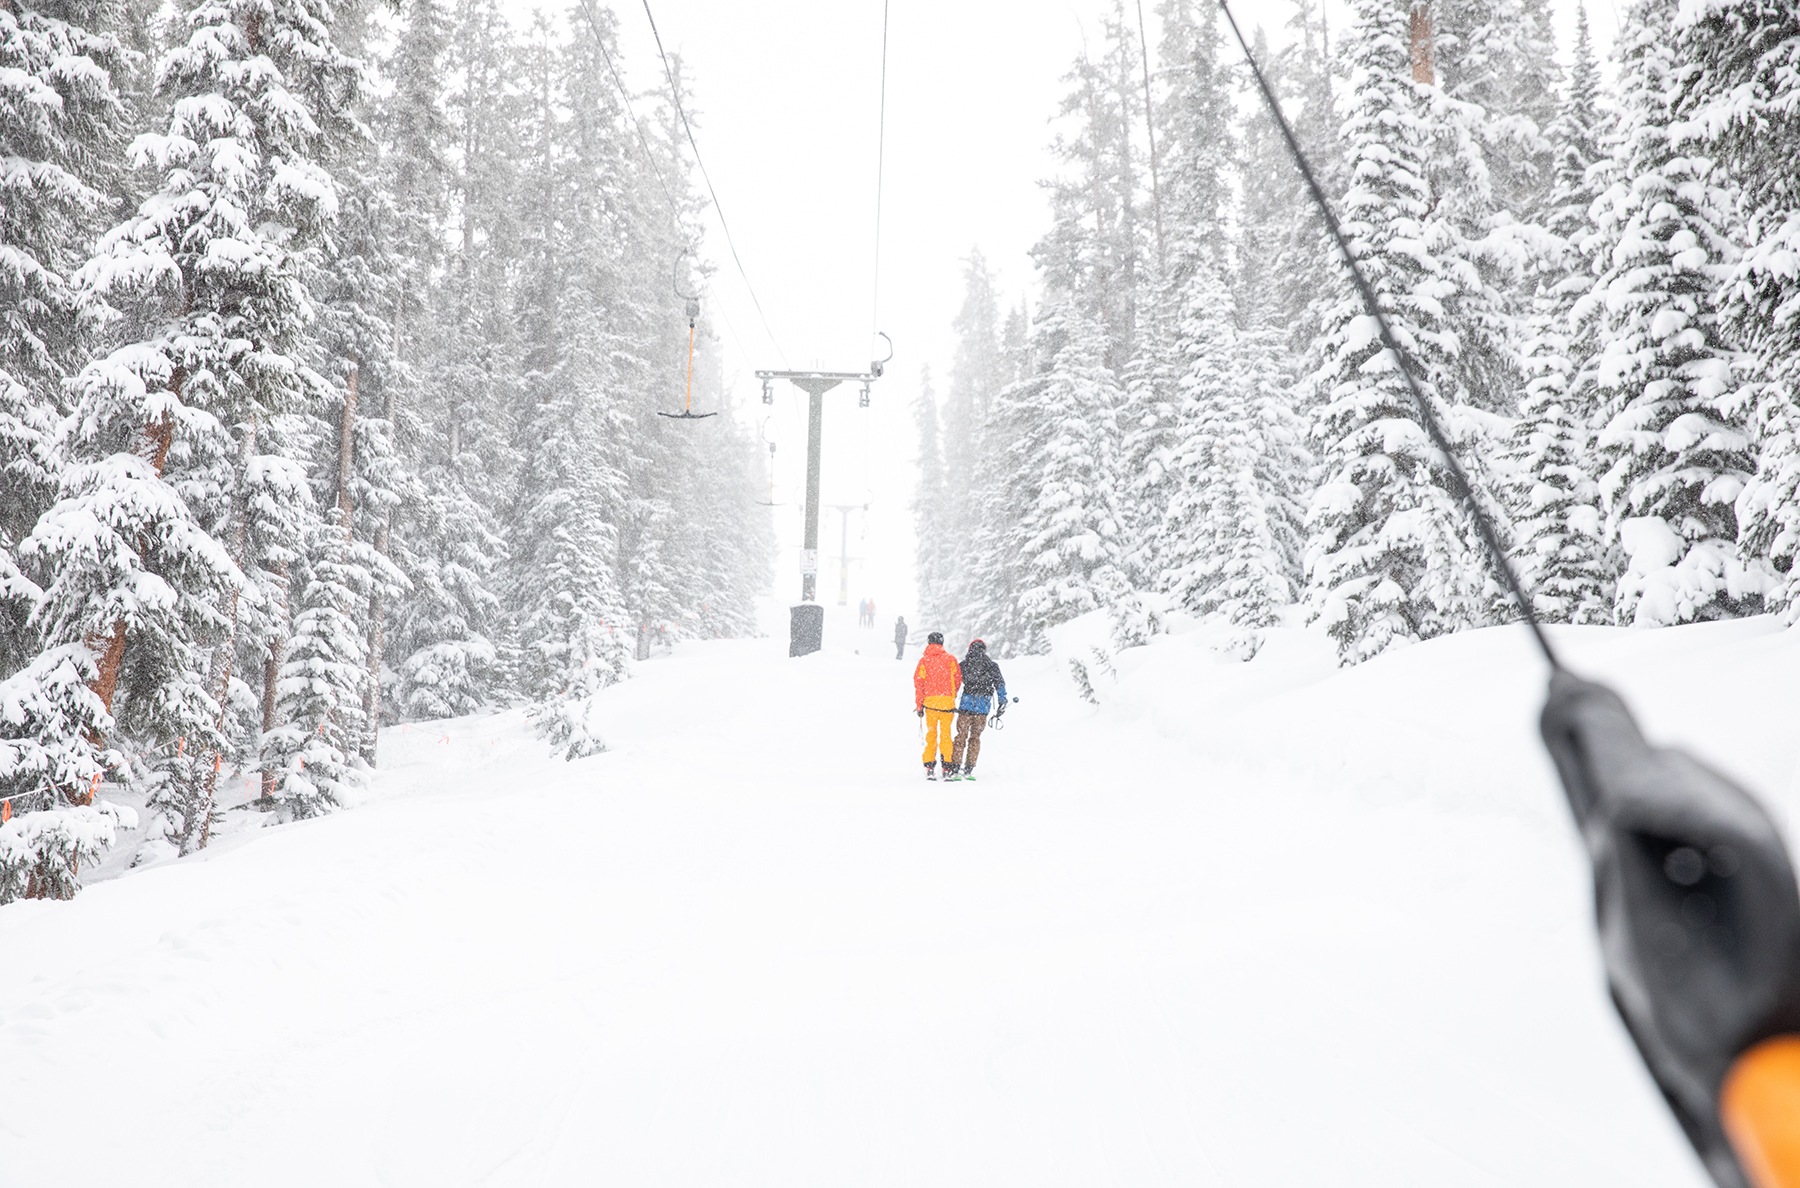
[806, 623]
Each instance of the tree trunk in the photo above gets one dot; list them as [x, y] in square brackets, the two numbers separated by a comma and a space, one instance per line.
[1422, 69]
[109, 646]
[377, 624]
[378, 596]
[347, 451]
[227, 650]
[1150, 129]
[272, 674]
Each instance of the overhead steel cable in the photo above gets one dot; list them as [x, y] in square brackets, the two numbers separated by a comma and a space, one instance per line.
[675, 95]
[625, 97]
[880, 165]
[1462, 489]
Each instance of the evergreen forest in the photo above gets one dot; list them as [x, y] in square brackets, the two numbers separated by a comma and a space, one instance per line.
[1590, 267]
[332, 335]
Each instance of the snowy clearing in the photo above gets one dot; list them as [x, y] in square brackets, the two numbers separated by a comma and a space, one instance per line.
[1265, 924]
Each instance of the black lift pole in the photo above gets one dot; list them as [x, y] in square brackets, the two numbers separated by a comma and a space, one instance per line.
[806, 624]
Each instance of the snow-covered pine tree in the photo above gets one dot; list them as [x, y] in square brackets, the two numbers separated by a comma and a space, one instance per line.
[1234, 529]
[1391, 554]
[1499, 56]
[1284, 274]
[51, 722]
[281, 512]
[468, 355]
[357, 292]
[1562, 551]
[565, 598]
[443, 630]
[1193, 122]
[566, 595]
[60, 124]
[165, 420]
[996, 569]
[315, 750]
[47, 712]
[60, 120]
[1210, 386]
[1149, 441]
[1216, 544]
[1090, 254]
[127, 562]
[1740, 99]
[1248, 580]
[1273, 215]
[1063, 497]
[977, 374]
[993, 568]
[1052, 441]
[439, 638]
[935, 550]
[1675, 443]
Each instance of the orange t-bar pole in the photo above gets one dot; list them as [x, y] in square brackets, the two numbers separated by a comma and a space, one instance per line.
[690, 394]
[1759, 1106]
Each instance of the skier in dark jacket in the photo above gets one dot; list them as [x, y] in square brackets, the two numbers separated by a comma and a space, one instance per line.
[900, 634]
[984, 689]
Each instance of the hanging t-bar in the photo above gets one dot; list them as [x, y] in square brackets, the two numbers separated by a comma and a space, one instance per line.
[693, 317]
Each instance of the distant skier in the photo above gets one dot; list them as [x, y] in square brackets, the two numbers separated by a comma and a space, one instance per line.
[900, 634]
[871, 616]
[935, 682]
[983, 689]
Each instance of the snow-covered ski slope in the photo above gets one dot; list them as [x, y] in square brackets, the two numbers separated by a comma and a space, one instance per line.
[1265, 924]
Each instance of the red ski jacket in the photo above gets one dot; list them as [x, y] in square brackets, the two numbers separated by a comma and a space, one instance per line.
[936, 679]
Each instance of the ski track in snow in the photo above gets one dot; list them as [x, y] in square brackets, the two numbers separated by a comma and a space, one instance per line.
[1266, 924]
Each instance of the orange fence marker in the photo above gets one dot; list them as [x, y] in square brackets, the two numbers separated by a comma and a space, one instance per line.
[5, 811]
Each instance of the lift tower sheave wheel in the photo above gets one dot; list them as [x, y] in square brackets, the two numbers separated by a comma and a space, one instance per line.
[806, 630]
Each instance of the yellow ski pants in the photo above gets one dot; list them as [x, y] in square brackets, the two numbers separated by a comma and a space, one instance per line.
[939, 725]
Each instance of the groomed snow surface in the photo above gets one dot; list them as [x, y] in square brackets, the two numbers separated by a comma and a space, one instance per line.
[1263, 924]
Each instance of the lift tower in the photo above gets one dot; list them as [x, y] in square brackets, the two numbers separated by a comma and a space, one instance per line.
[844, 558]
[806, 621]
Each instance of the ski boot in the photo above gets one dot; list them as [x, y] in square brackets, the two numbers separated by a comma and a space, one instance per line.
[968, 773]
[952, 772]
[931, 771]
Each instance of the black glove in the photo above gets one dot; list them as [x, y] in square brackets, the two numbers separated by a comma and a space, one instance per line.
[1698, 913]
[921, 711]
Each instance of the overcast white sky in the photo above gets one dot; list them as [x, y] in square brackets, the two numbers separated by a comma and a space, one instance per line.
[787, 99]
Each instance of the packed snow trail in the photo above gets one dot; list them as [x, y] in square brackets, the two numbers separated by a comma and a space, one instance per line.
[752, 946]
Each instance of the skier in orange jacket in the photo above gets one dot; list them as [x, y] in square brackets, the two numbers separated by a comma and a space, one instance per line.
[935, 682]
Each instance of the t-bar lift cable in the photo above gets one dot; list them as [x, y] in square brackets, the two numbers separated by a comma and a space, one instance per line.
[681, 112]
[880, 166]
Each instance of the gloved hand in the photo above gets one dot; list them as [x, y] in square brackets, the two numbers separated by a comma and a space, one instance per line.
[1698, 911]
[921, 711]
